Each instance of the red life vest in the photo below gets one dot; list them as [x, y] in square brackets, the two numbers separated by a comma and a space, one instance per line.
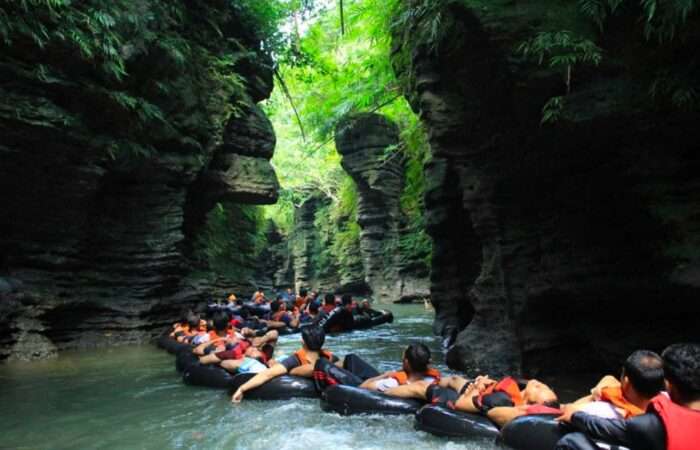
[682, 424]
[402, 377]
[304, 359]
[509, 386]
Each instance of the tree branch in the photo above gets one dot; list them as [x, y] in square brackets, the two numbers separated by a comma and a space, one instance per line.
[283, 85]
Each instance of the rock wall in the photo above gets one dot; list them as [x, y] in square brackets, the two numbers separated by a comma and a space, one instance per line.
[365, 141]
[556, 248]
[95, 250]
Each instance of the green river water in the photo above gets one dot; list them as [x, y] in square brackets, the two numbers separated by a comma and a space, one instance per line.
[132, 398]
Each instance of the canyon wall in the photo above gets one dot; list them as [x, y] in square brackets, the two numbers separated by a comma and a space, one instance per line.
[558, 247]
[96, 247]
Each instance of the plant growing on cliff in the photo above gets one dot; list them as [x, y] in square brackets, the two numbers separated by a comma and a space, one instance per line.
[563, 51]
[160, 74]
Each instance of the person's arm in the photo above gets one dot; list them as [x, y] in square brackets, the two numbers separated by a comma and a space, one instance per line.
[211, 358]
[501, 415]
[306, 371]
[371, 383]
[612, 431]
[607, 381]
[274, 324]
[258, 380]
[199, 350]
[413, 390]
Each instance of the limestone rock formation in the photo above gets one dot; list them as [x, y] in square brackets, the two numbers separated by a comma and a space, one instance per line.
[96, 249]
[365, 142]
[560, 247]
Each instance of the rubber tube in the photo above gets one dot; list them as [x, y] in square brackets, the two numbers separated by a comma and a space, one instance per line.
[207, 375]
[348, 400]
[533, 432]
[185, 359]
[279, 388]
[443, 421]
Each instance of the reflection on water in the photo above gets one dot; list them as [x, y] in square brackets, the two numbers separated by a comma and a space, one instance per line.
[132, 398]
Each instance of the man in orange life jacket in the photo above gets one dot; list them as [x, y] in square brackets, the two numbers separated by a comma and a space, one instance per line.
[219, 337]
[187, 328]
[672, 420]
[501, 401]
[301, 363]
[412, 381]
[641, 380]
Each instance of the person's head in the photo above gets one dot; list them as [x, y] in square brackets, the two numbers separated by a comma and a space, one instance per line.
[329, 299]
[289, 290]
[220, 321]
[268, 350]
[682, 372]
[346, 300]
[538, 393]
[314, 307]
[279, 298]
[303, 292]
[276, 306]
[364, 304]
[313, 295]
[416, 358]
[192, 320]
[313, 338]
[232, 298]
[643, 372]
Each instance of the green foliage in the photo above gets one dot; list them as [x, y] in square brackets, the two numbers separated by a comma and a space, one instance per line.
[663, 19]
[561, 49]
[330, 76]
[231, 240]
[155, 73]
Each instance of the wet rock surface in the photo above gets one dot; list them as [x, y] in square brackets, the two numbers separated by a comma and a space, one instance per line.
[556, 248]
[365, 143]
[95, 250]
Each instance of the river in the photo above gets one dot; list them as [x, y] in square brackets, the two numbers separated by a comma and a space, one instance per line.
[132, 398]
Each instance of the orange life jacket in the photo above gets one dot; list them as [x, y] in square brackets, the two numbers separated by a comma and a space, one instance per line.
[299, 301]
[509, 386]
[304, 359]
[682, 424]
[402, 377]
[614, 396]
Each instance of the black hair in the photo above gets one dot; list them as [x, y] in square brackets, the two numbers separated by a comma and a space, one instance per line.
[418, 356]
[682, 369]
[552, 404]
[303, 292]
[184, 315]
[278, 298]
[313, 307]
[645, 370]
[346, 299]
[275, 306]
[192, 320]
[313, 337]
[329, 299]
[220, 321]
[268, 349]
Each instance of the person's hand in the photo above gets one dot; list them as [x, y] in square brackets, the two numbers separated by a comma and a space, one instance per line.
[237, 396]
[568, 412]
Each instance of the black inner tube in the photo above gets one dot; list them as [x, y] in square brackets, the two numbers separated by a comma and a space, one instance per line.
[443, 421]
[533, 432]
[348, 400]
[279, 388]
